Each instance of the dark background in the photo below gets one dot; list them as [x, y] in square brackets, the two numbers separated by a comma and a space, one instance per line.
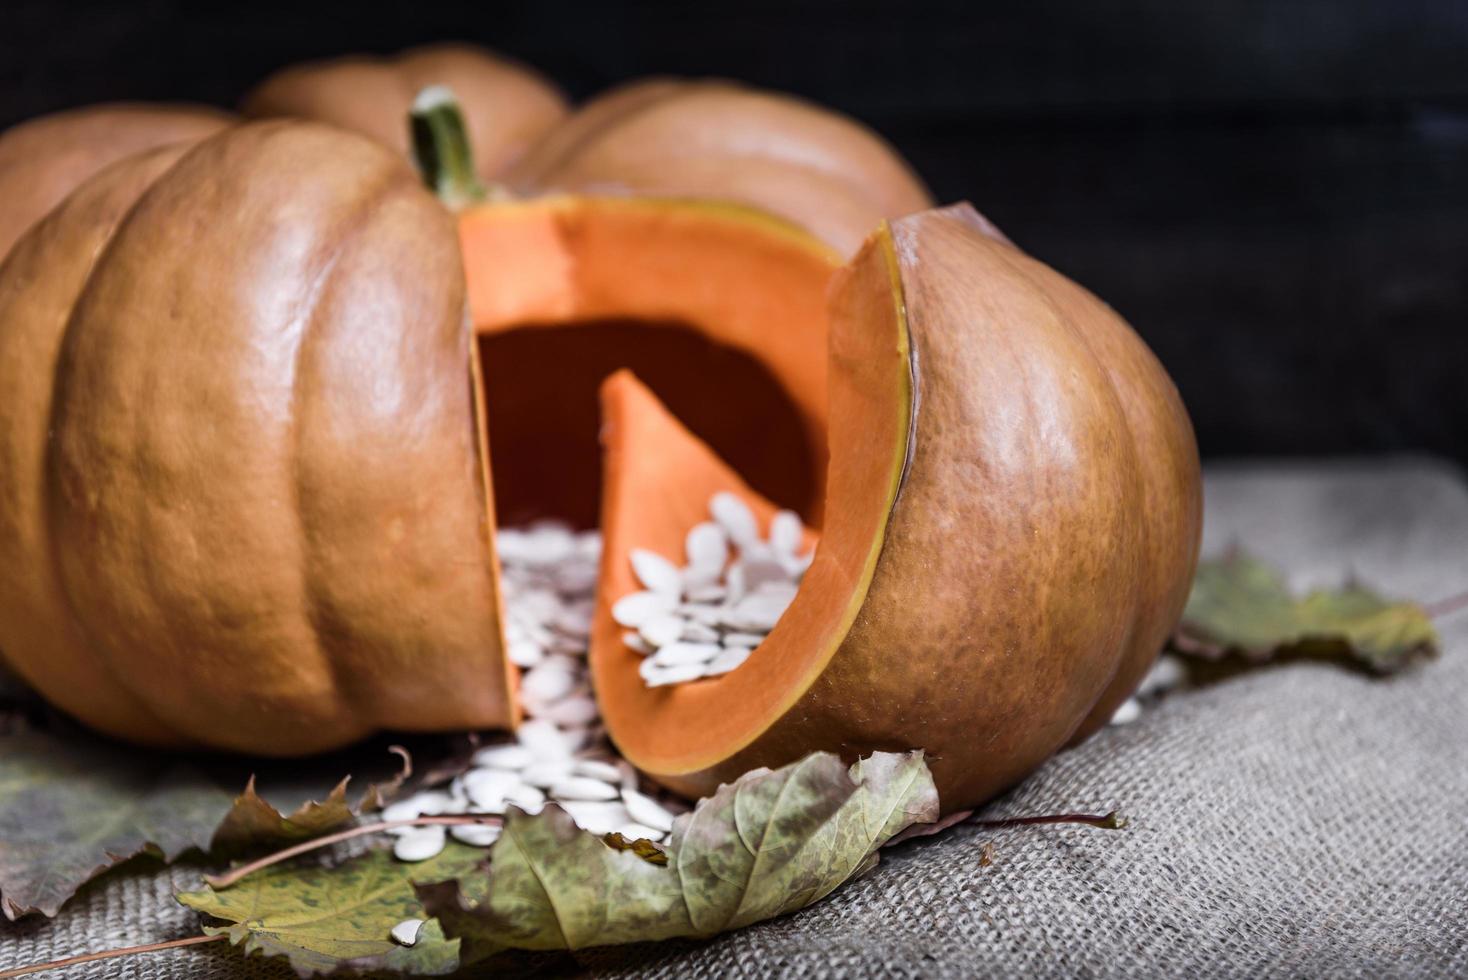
[1274, 193]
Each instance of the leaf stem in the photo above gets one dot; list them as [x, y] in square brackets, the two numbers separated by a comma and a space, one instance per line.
[108, 954]
[1447, 606]
[1106, 821]
[235, 874]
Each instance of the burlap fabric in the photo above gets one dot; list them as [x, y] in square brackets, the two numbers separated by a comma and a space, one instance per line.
[1299, 821]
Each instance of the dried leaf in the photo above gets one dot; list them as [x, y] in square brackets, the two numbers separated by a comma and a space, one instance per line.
[70, 808]
[1242, 606]
[324, 919]
[252, 821]
[73, 805]
[768, 844]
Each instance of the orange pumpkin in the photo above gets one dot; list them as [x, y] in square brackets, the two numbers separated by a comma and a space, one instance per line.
[247, 478]
[43, 160]
[662, 137]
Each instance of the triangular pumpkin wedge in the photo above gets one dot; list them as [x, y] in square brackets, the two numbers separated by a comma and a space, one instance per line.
[1010, 522]
[658, 479]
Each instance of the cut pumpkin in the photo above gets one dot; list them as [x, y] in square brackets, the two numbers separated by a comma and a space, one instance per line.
[979, 588]
[246, 497]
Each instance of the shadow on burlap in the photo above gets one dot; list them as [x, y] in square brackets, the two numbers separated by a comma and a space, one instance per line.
[1298, 821]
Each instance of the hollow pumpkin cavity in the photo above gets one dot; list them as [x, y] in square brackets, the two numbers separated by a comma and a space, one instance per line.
[733, 353]
[721, 310]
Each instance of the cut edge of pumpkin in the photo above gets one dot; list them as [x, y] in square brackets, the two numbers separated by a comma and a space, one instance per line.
[515, 711]
[659, 478]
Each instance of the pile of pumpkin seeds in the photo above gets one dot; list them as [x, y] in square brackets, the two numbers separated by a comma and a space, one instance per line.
[560, 754]
[705, 617]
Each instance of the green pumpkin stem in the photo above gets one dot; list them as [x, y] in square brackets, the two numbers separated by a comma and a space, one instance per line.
[441, 148]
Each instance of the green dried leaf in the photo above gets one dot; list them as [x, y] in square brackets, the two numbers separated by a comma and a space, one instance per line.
[1242, 606]
[324, 919]
[765, 845]
[73, 805]
[70, 808]
[252, 821]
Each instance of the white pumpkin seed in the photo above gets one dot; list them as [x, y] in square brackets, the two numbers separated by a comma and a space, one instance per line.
[548, 681]
[486, 788]
[574, 579]
[607, 772]
[634, 640]
[734, 584]
[699, 633]
[583, 788]
[595, 816]
[574, 712]
[647, 811]
[735, 517]
[525, 653]
[785, 531]
[635, 609]
[588, 546]
[548, 544]
[661, 630]
[756, 613]
[731, 657]
[797, 565]
[545, 740]
[697, 579]
[708, 593]
[707, 547]
[503, 757]
[420, 845]
[476, 835]
[576, 619]
[703, 615]
[526, 797]
[663, 676]
[405, 933]
[546, 774]
[1167, 673]
[761, 574]
[677, 654]
[427, 803]
[744, 639]
[656, 572]
[1127, 712]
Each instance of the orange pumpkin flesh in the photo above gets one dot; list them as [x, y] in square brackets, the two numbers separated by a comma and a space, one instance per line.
[564, 290]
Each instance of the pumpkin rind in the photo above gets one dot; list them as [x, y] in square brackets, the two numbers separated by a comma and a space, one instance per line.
[42, 160]
[507, 106]
[1031, 557]
[722, 141]
[262, 486]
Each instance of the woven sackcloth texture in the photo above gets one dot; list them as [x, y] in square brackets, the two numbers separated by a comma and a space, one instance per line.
[1301, 821]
